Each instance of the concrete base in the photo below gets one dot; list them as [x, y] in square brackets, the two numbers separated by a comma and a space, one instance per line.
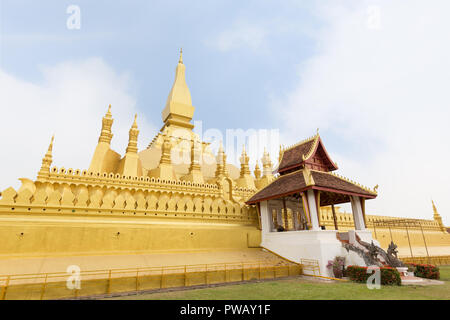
[320, 245]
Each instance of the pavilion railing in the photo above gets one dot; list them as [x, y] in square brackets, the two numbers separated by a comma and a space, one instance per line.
[434, 260]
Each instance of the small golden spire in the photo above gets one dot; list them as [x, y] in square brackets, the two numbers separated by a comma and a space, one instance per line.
[181, 56]
[133, 137]
[47, 161]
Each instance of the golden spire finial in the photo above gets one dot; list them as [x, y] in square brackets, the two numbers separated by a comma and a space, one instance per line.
[181, 56]
[50, 147]
[434, 207]
[108, 113]
[317, 132]
[134, 123]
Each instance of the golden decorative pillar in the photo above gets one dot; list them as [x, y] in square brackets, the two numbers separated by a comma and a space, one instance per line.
[195, 174]
[257, 171]
[105, 159]
[221, 169]
[165, 169]
[245, 179]
[107, 121]
[267, 175]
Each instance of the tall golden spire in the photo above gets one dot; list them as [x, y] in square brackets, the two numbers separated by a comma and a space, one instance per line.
[133, 136]
[107, 121]
[179, 110]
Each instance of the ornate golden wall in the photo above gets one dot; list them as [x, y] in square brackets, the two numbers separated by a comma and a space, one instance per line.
[76, 212]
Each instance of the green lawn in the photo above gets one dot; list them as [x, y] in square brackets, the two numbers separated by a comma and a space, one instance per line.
[296, 289]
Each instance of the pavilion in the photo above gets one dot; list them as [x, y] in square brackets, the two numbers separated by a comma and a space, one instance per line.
[289, 207]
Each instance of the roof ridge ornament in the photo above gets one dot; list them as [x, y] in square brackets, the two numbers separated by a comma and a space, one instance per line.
[307, 175]
[301, 142]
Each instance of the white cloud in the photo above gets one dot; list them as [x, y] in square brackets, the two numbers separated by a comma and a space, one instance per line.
[387, 87]
[69, 102]
[240, 34]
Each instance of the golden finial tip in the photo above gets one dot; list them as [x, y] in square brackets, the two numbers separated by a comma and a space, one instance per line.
[181, 56]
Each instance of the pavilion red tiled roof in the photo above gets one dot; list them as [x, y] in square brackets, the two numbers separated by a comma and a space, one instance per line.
[296, 156]
[295, 182]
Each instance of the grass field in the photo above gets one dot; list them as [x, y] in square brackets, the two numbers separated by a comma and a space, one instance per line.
[298, 289]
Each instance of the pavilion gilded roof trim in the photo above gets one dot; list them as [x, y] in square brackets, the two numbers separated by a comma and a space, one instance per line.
[316, 136]
[373, 191]
[307, 180]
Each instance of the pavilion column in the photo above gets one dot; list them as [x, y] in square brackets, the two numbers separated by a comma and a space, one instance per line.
[313, 210]
[265, 218]
[286, 218]
[358, 216]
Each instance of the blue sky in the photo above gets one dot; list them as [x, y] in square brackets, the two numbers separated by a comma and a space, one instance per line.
[372, 75]
[143, 38]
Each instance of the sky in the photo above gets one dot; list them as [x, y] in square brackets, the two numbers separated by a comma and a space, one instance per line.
[373, 76]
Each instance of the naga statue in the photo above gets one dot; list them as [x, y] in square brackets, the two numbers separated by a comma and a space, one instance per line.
[374, 255]
[394, 261]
